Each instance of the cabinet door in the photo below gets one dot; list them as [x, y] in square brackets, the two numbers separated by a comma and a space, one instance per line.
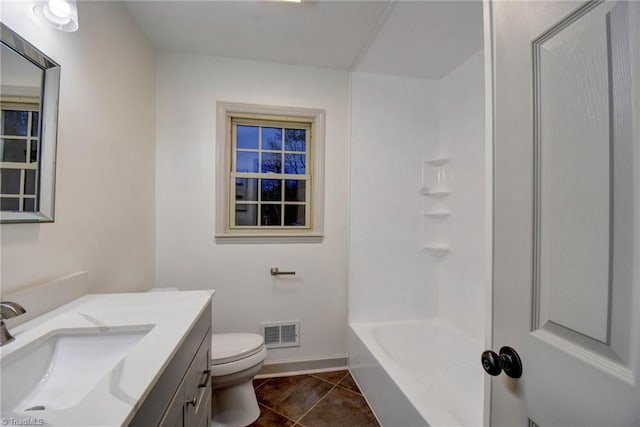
[174, 417]
[204, 413]
[197, 386]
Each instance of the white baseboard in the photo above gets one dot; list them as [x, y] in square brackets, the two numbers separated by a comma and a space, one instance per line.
[299, 367]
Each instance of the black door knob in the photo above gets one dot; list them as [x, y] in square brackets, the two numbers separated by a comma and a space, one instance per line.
[507, 361]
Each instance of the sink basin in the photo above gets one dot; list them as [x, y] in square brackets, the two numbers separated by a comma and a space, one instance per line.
[57, 370]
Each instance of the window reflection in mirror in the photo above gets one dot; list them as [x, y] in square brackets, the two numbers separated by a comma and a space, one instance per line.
[29, 85]
[20, 83]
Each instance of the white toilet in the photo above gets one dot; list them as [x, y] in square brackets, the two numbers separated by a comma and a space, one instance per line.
[235, 359]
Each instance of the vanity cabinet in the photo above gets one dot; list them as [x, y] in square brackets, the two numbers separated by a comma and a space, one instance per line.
[182, 394]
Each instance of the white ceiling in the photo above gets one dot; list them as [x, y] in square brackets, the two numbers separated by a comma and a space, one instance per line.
[425, 39]
[411, 38]
[320, 33]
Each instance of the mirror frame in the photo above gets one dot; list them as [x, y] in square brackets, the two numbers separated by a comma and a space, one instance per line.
[50, 91]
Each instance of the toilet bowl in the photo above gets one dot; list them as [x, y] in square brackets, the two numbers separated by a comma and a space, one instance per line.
[235, 359]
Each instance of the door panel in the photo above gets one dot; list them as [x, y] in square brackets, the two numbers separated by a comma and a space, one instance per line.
[582, 132]
[572, 185]
[565, 233]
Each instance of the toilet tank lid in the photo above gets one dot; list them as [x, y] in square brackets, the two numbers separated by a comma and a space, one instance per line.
[227, 348]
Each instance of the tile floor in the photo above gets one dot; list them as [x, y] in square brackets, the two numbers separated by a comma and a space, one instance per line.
[330, 399]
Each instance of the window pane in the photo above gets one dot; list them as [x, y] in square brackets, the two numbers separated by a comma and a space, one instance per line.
[271, 190]
[14, 122]
[29, 205]
[246, 214]
[35, 126]
[271, 162]
[30, 182]
[295, 164]
[34, 151]
[270, 214]
[271, 139]
[247, 136]
[294, 139]
[10, 181]
[246, 189]
[294, 215]
[13, 150]
[295, 190]
[247, 161]
[9, 204]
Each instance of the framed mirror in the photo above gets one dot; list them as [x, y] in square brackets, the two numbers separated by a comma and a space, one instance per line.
[29, 88]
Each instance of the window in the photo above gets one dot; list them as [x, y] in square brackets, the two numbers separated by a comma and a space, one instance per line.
[270, 181]
[19, 126]
[270, 173]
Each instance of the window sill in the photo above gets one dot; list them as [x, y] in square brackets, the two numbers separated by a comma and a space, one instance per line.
[229, 238]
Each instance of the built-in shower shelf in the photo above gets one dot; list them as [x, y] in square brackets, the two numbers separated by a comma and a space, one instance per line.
[436, 250]
[437, 215]
[437, 161]
[435, 192]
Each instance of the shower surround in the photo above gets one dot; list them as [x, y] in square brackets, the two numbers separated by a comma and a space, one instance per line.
[418, 244]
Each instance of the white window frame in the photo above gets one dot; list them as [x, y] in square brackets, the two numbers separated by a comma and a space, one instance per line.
[313, 231]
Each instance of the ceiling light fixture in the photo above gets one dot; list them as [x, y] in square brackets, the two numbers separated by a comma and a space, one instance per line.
[59, 14]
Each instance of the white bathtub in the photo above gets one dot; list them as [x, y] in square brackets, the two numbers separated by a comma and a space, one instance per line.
[416, 373]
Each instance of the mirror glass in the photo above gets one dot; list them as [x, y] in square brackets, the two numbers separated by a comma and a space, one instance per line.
[29, 86]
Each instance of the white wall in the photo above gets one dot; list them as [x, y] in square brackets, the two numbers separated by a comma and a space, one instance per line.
[394, 127]
[461, 275]
[396, 124]
[105, 218]
[187, 256]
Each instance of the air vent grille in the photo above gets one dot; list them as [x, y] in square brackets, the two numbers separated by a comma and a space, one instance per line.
[271, 335]
[281, 334]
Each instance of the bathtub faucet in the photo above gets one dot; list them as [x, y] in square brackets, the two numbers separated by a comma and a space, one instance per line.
[8, 310]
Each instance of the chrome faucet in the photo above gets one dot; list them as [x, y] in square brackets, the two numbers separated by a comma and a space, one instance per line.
[8, 310]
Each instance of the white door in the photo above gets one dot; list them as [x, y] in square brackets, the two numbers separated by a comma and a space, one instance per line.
[566, 281]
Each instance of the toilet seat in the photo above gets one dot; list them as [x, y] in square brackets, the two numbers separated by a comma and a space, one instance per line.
[226, 348]
[236, 352]
[236, 358]
[247, 363]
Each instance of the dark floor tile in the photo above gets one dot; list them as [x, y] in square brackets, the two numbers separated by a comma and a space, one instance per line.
[258, 382]
[333, 377]
[340, 408]
[268, 418]
[292, 396]
[349, 384]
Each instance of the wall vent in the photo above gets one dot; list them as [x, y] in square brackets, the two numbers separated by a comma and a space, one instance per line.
[281, 334]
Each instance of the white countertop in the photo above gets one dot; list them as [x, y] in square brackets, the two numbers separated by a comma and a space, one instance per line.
[116, 398]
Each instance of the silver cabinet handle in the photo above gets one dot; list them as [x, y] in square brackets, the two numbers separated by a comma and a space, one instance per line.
[205, 379]
[276, 272]
[192, 402]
